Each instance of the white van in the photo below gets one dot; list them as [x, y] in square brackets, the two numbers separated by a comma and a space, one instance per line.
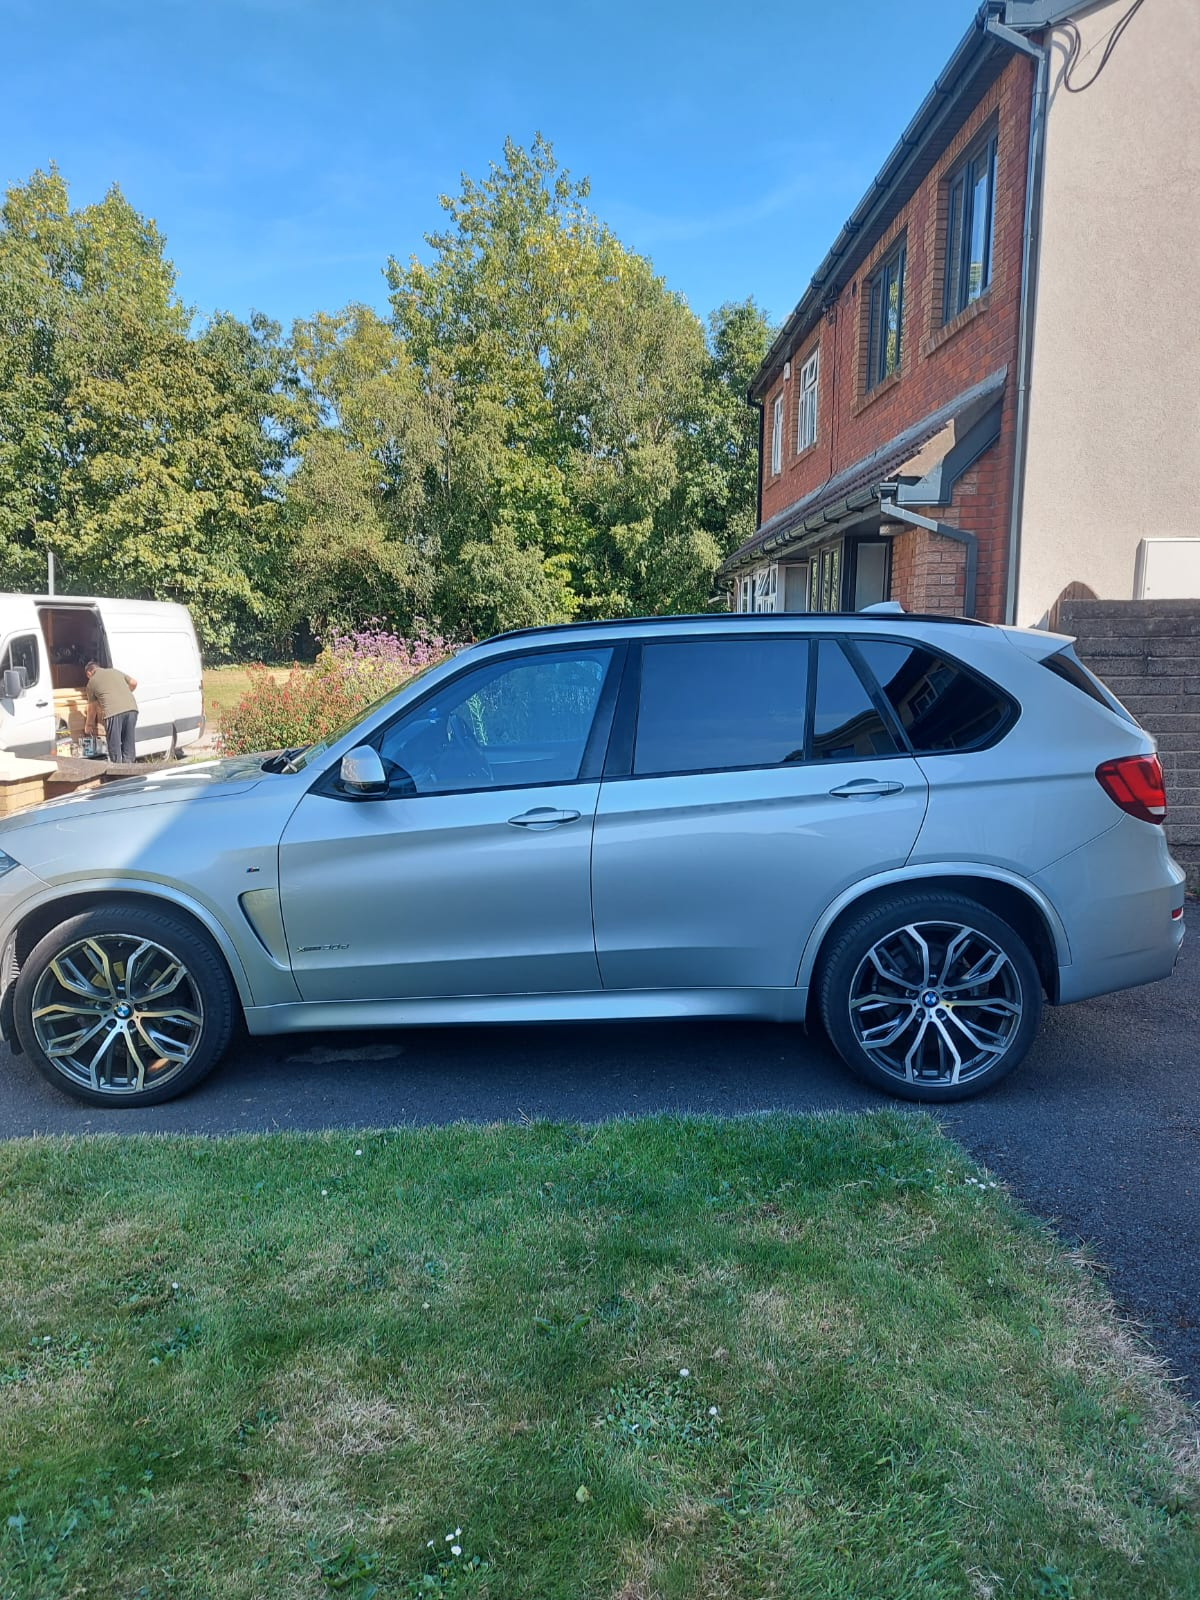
[45, 641]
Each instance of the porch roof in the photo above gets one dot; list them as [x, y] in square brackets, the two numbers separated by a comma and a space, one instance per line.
[926, 459]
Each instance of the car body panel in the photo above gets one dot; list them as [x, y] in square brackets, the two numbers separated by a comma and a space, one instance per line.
[596, 1005]
[699, 893]
[434, 895]
[715, 878]
[913, 875]
[1126, 889]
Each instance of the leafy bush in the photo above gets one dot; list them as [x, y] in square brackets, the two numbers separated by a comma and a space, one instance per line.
[312, 702]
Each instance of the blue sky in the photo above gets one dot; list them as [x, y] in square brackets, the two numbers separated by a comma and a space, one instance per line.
[287, 147]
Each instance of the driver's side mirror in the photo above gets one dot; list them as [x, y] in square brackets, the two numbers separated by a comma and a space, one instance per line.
[362, 772]
[15, 682]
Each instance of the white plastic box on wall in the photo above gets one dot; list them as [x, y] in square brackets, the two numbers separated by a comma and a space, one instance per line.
[1167, 569]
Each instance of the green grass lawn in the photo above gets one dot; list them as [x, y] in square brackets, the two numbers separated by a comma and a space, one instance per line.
[810, 1357]
[225, 686]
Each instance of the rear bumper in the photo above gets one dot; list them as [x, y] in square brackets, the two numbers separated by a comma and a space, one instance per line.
[1120, 899]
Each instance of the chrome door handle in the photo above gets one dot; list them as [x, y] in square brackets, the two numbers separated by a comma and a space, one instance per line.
[866, 788]
[542, 817]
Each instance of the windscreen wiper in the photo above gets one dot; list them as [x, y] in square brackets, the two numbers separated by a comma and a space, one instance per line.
[282, 760]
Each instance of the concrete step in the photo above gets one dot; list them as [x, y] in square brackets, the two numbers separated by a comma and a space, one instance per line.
[1180, 723]
[1181, 780]
[1152, 685]
[1182, 626]
[1095, 647]
[1146, 707]
[1080, 609]
[1172, 742]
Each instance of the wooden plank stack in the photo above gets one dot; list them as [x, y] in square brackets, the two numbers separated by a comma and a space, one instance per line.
[70, 707]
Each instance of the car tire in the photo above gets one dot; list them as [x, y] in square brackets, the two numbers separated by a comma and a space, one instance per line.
[121, 1006]
[894, 1002]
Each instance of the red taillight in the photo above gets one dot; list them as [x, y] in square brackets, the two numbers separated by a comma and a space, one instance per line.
[1136, 784]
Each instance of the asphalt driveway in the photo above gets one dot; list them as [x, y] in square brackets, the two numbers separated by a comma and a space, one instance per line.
[1098, 1132]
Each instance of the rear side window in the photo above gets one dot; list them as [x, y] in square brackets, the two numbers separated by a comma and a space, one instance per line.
[708, 705]
[940, 705]
[1067, 666]
[846, 723]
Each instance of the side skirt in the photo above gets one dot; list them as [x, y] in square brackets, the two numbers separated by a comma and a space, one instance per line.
[768, 1005]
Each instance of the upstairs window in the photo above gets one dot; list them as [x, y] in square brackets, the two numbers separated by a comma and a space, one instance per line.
[777, 434]
[970, 224]
[806, 406]
[885, 317]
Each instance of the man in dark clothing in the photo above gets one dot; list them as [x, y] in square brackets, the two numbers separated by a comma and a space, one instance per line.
[110, 695]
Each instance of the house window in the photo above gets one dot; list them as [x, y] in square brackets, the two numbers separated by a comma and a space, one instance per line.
[885, 318]
[825, 576]
[806, 406]
[970, 224]
[777, 434]
[766, 586]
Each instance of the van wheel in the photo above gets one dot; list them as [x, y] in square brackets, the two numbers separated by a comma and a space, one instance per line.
[930, 997]
[121, 1006]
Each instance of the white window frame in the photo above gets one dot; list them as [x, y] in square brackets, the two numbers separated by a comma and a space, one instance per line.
[777, 435]
[766, 588]
[806, 405]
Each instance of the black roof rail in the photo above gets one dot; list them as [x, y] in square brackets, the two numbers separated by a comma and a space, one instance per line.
[742, 619]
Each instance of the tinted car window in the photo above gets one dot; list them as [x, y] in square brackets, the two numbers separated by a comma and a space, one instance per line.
[845, 722]
[510, 723]
[1067, 666]
[940, 706]
[711, 704]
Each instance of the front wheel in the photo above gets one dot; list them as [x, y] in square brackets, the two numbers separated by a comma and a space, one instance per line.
[123, 1006]
[930, 997]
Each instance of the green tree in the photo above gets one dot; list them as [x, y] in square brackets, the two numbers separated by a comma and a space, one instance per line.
[568, 375]
[150, 462]
[361, 545]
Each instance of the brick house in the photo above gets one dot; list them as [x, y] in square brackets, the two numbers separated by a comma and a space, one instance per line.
[899, 402]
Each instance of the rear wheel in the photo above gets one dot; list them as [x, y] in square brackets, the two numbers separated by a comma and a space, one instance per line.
[122, 1006]
[930, 997]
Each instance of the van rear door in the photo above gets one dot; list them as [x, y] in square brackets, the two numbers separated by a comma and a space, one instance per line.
[154, 642]
[26, 717]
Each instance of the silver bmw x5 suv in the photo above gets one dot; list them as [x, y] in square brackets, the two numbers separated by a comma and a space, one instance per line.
[911, 828]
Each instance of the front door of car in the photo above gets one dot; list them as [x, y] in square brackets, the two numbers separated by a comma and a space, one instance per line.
[754, 780]
[471, 874]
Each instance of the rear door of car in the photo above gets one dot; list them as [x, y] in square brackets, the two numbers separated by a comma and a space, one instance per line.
[751, 778]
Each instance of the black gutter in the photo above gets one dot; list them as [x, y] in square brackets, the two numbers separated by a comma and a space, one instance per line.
[893, 512]
[976, 42]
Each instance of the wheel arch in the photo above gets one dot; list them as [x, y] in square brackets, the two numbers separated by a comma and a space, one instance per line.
[47, 914]
[1022, 907]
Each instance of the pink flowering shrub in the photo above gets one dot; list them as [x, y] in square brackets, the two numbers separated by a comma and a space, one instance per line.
[351, 671]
